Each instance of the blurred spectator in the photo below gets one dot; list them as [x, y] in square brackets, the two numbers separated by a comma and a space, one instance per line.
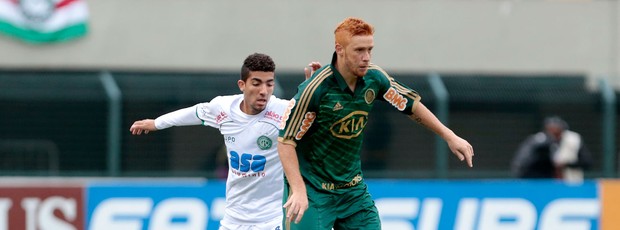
[554, 152]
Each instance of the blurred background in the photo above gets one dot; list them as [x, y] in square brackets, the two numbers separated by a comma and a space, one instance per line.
[490, 69]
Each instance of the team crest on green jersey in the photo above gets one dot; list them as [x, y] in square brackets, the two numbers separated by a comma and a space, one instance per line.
[264, 142]
[369, 96]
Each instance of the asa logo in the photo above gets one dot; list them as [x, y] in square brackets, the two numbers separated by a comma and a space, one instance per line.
[394, 98]
[350, 126]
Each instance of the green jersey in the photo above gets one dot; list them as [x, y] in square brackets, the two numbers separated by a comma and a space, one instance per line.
[325, 120]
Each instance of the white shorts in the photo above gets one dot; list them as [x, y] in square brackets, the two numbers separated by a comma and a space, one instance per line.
[275, 224]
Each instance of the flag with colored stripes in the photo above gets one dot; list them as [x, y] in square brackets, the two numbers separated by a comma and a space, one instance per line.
[43, 21]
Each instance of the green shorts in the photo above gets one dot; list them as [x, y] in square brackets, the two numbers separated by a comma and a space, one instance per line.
[353, 209]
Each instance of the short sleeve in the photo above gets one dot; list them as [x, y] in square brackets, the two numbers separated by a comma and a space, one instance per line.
[300, 112]
[400, 96]
[210, 113]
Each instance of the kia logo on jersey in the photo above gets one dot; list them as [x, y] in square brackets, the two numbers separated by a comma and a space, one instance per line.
[350, 126]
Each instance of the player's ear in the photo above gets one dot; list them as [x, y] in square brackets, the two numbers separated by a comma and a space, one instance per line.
[339, 48]
[241, 85]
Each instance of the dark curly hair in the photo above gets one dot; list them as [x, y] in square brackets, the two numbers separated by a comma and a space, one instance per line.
[257, 62]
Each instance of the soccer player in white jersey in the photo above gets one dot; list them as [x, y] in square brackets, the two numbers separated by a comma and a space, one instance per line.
[249, 123]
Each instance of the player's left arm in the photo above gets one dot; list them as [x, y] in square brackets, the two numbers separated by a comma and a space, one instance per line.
[459, 146]
[409, 102]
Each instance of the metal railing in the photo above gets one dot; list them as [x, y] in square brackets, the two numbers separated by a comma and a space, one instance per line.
[440, 94]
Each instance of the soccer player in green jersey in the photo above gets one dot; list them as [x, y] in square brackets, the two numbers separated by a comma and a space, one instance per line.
[324, 123]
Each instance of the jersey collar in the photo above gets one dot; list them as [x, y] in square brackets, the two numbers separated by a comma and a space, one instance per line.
[340, 80]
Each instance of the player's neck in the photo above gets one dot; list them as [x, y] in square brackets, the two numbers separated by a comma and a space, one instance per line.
[245, 108]
[348, 77]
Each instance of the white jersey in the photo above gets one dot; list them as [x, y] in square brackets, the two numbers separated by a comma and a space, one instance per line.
[255, 177]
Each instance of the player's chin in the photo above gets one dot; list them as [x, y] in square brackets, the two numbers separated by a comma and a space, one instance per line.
[259, 108]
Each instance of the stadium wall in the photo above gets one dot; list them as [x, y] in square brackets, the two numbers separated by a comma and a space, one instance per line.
[412, 36]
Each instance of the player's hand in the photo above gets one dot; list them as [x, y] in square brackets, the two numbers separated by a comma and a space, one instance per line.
[142, 126]
[462, 149]
[296, 206]
[312, 66]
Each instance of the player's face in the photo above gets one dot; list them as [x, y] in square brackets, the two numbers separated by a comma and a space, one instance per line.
[357, 55]
[555, 131]
[257, 90]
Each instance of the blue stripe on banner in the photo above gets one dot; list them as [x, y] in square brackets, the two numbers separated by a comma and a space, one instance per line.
[464, 205]
[403, 205]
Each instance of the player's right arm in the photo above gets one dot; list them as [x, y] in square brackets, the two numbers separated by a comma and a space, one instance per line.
[297, 201]
[142, 126]
[297, 121]
[181, 117]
